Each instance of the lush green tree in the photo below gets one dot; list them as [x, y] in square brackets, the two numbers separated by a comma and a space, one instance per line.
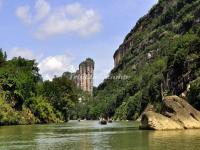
[27, 97]
[194, 93]
[61, 93]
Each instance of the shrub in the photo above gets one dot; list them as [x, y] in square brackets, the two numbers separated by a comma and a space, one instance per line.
[194, 93]
[42, 109]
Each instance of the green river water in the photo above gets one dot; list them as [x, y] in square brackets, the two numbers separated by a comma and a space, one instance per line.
[86, 135]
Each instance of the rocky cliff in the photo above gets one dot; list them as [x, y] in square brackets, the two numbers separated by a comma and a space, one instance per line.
[84, 76]
[161, 57]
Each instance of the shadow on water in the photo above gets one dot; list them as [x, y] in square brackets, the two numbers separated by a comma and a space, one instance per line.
[88, 135]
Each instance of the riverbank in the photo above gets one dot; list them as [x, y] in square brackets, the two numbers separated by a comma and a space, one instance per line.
[11, 116]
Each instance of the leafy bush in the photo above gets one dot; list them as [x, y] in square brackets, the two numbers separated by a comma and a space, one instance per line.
[42, 109]
[187, 23]
[9, 116]
[168, 16]
[194, 93]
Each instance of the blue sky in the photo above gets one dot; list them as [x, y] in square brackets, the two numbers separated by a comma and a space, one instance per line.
[60, 34]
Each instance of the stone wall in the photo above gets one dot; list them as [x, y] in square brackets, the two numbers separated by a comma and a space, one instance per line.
[85, 75]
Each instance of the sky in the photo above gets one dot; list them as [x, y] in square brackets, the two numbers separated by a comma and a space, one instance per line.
[60, 34]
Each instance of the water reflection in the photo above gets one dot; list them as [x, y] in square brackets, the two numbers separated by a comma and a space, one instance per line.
[173, 140]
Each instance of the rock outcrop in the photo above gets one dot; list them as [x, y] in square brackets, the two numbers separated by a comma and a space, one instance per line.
[122, 50]
[155, 121]
[176, 113]
[84, 76]
[148, 108]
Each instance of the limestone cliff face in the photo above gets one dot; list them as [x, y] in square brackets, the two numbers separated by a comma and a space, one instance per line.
[140, 44]
[122, 51]
[85, 75]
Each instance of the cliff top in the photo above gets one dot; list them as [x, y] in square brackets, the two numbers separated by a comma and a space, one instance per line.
[87, 62]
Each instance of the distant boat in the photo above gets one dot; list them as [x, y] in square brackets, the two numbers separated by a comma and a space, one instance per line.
[102, 121]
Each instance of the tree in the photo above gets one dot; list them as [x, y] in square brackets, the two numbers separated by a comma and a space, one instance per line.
[61, 93]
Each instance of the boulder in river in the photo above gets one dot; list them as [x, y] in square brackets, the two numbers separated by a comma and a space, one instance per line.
[155, 121]
[148, 108]
[176, 113]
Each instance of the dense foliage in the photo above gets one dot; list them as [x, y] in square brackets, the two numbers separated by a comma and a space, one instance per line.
[170, 34]
[26, 99]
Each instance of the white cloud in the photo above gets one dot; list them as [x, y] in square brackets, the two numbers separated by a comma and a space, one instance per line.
[49, 66]
[71, 18]
[22, 13]
[55, 65]
[42, 8]
[23, 52]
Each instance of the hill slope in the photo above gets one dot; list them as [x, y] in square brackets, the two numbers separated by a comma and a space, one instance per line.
[160, 56]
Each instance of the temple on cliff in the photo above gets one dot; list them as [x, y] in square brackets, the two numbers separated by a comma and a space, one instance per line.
[85, 76]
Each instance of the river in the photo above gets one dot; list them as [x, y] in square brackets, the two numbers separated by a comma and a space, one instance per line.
[89, 135]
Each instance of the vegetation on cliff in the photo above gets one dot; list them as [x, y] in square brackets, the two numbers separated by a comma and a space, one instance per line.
[164, 59]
